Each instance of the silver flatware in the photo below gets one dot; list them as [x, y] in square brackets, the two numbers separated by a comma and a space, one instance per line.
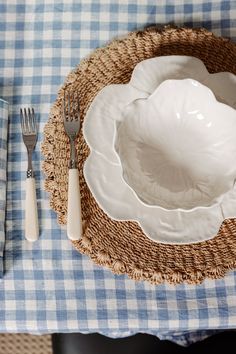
[29, 134]
[71, 119]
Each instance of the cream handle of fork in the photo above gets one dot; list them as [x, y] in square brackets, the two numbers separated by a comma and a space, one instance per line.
[31, 212]
[74, 220]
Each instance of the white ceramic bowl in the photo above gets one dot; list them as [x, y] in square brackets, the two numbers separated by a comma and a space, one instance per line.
[104, 173]
[176, 147]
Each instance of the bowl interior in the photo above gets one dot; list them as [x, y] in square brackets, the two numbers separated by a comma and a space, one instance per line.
[177, 153]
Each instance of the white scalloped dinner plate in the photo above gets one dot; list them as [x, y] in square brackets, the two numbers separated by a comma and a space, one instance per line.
[103, 171]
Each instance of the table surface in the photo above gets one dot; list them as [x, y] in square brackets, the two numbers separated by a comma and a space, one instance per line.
[47, 285]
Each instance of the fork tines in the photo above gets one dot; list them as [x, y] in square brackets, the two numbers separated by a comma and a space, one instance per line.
[28, 123]
[70, 106]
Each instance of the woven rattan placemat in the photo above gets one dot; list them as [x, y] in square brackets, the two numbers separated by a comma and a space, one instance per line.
[122, 246]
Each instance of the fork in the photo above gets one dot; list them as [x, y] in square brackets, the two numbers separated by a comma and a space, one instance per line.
[29, 134]
[71, 121]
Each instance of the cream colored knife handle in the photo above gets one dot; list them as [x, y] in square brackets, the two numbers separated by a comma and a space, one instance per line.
[74, 221]
[31, 212]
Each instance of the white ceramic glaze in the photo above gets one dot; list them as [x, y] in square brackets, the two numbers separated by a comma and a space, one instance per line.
[176, 146]
[103, 170]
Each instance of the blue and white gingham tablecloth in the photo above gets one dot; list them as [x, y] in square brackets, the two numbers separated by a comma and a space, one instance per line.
[47, 285]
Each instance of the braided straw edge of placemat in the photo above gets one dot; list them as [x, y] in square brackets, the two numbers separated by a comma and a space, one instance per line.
[103, 258]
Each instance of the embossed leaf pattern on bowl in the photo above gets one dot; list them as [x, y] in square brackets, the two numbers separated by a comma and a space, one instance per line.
[175, 149]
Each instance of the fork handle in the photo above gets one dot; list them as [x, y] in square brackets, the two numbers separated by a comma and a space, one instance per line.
[74, 220]
[31, 213]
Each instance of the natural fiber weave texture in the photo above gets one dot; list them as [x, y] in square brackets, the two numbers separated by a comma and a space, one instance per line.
[25, 344]
[122, 246]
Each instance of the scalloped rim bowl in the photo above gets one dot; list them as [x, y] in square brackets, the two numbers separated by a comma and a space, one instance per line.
[176, 153]
[103, 171]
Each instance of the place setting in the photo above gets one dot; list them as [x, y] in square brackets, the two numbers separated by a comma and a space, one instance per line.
[139, 156]
[117, 175]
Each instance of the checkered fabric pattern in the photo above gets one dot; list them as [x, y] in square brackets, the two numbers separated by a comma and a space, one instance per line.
[3, 170]
[47, 285]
